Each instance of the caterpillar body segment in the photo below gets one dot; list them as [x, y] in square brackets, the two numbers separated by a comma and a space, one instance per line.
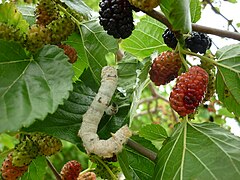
[88, 130]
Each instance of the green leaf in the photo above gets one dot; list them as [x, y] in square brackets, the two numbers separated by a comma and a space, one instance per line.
[27, 12]
[36, 170]
[97, 44]
[195, 10]
[199, 151]
[146, 38]
[225, 112]
[127, 75]
[78, 6]
[228, 77]
[134, 165]
[66, 121]
[153, 132]
[75, 41]
[178, 14]
[10, 15]
[31, 87]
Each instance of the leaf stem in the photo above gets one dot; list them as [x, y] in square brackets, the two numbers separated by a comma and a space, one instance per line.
[181, 56]
[106, 167]
[70, 15]
[88, 169]
[200, 56]
[55, 172]
[142, 150]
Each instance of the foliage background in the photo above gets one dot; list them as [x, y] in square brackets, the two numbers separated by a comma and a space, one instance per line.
[152, 110]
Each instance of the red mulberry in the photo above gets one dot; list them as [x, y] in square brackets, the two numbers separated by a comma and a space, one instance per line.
[70, 52]
[165, 68]
[71, 170]
[189, 91]
[10, 172]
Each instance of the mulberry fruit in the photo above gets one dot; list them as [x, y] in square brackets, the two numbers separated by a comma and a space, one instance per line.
[10, 33]
[10, 172]
[47, 145]
[146, 5]
[116, 18]
[60, 29]
[24, 153]
[71, 170]
[70, 52]
[87, 176]
[169, 39]
[189, 91]
[165, 68]
[37, 37]
[198, 42]
[46, 12]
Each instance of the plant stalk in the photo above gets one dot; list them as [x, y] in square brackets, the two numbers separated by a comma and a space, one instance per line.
[56, 174]
[142, 150]
[195, 27]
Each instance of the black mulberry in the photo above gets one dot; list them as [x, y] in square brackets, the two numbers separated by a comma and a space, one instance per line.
[116, 18]
[198, 42]
[169, 39]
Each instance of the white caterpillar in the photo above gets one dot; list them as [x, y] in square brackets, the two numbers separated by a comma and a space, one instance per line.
[88, 130]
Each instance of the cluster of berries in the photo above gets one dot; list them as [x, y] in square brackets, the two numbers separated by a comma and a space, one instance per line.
[116, 16]
[190, 88]
[50, 28]
[17, 162]
[197, 42]
[195, 86]
[72, 170]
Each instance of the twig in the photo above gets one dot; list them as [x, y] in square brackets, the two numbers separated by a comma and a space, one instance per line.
[155, 110]
[218, 12]
[56, 174]
[157, 96]
[142, 150]
[195, 27]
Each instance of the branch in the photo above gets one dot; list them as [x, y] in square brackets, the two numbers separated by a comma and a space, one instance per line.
[217, 12]
[156, 95]
[142, 150]
[195, 27]
[57, 175]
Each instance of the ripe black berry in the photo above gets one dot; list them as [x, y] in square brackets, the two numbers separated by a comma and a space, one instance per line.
[198, 42]
[169, 39]
[116, 18]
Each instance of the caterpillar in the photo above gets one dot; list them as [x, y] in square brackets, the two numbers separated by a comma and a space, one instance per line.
[90, 120]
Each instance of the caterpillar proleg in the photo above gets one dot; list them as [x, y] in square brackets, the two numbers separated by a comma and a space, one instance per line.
[88, 130]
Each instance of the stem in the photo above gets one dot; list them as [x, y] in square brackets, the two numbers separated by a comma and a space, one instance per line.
[218, 12]
[200, 56]
[57, 175]
[88, 169]
[142, 150]
[199, 28]
[70, 15]
[106, 167]
[182, 58]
